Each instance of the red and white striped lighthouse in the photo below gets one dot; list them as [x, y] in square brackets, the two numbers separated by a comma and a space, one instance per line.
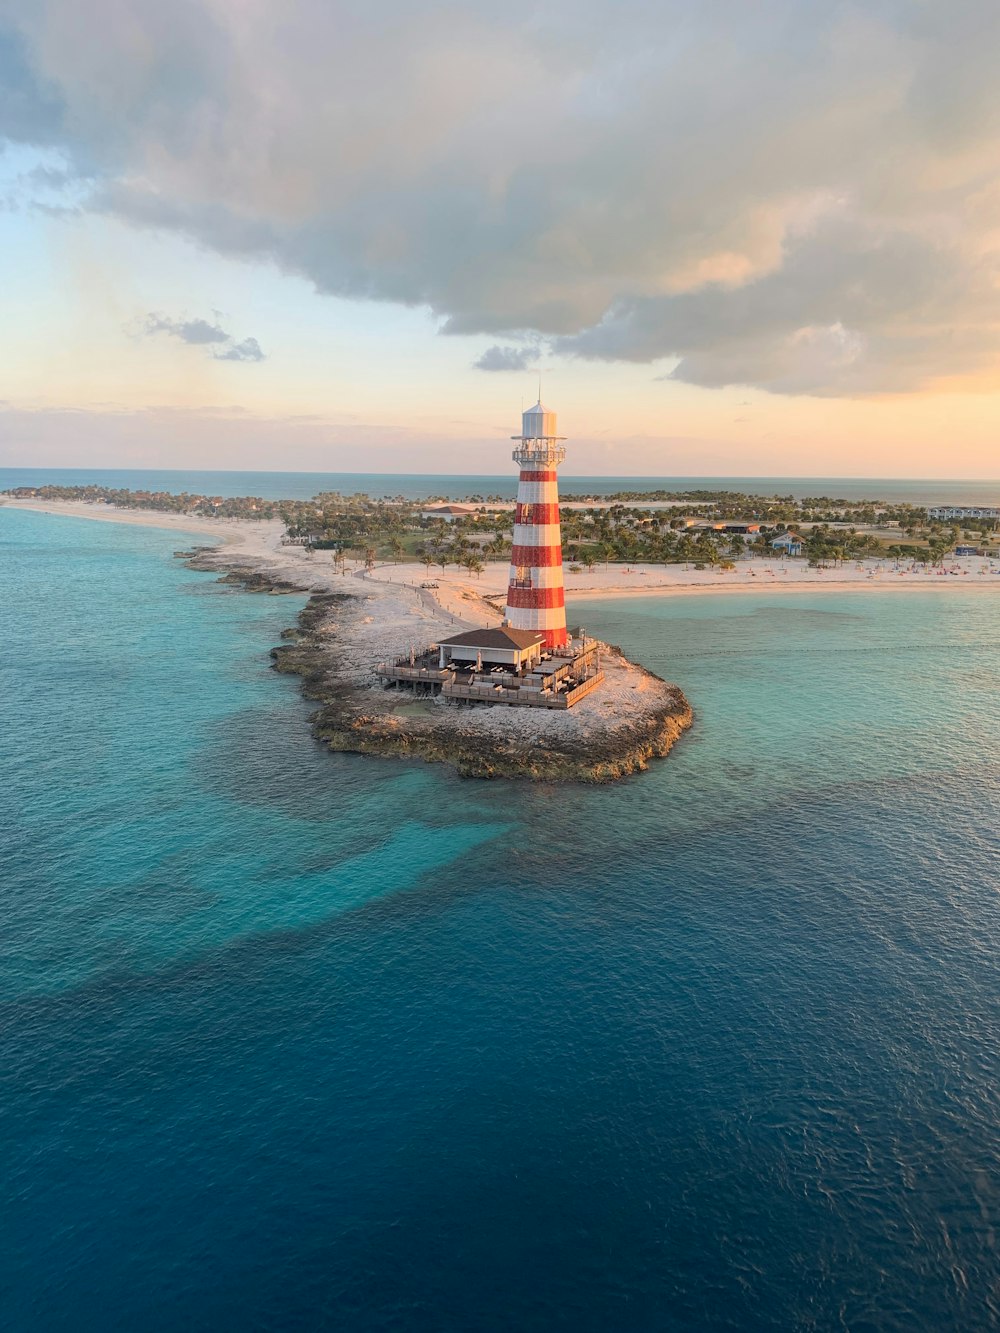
[536, 597]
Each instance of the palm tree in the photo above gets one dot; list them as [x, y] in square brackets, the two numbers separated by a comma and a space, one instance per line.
[686, 550]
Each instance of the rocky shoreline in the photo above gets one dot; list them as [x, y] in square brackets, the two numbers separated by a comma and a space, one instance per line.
[634, 718]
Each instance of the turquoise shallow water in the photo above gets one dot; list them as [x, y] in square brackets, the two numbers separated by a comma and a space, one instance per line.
[294, 1040]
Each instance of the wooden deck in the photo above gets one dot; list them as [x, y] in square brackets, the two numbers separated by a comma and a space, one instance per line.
[425, 677]
[522, 698]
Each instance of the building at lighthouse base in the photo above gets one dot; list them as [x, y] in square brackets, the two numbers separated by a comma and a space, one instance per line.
[501, 666]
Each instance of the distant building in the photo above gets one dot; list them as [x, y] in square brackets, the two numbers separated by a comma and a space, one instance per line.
[448, 512]
[963, 511]
[789, 543]
[733, 528]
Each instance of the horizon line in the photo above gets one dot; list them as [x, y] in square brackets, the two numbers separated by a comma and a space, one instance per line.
[492, 476]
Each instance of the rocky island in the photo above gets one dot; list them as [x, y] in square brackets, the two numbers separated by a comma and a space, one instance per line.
[350, 622]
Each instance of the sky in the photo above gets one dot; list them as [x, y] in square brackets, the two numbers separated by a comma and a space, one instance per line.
[734, 239]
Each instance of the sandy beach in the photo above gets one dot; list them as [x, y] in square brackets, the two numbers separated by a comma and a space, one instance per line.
[459, 599]
[229, 530]
[462, 595]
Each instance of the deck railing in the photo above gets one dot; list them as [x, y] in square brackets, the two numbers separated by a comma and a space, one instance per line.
[584, 688]
[490, 694]
[523, 698]
[403, 671]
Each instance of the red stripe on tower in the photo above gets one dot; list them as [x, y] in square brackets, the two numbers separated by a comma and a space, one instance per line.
[538, 557]
[536, 595]
[540, 598]
[536, 513]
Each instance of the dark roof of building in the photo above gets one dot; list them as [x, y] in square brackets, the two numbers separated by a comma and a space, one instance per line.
[495, 638]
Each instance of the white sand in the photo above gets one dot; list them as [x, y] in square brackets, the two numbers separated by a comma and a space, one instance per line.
[462, 597]
[230, 530]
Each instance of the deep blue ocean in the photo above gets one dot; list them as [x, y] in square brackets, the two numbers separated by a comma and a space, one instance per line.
[421, 486]
[294, 1041]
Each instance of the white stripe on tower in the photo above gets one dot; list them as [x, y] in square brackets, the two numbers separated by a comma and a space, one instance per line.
[536, 595]
[537, 534]
[549, 576]
[538, 492]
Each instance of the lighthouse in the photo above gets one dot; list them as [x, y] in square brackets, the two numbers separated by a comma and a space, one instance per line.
[536, 597]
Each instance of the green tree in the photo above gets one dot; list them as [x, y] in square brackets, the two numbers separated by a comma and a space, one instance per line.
[687, 550]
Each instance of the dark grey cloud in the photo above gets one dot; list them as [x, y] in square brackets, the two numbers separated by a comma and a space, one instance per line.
[200, 333]
[803, 196]
[507, 358]
[31, 110]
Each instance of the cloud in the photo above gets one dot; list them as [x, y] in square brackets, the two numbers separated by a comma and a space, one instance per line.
[507, 358]
[195, 331]
[31, 110]
[200, 333]
[247, 350]
[801, 197]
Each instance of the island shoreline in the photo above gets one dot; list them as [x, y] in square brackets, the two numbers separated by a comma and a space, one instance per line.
[335, 646]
